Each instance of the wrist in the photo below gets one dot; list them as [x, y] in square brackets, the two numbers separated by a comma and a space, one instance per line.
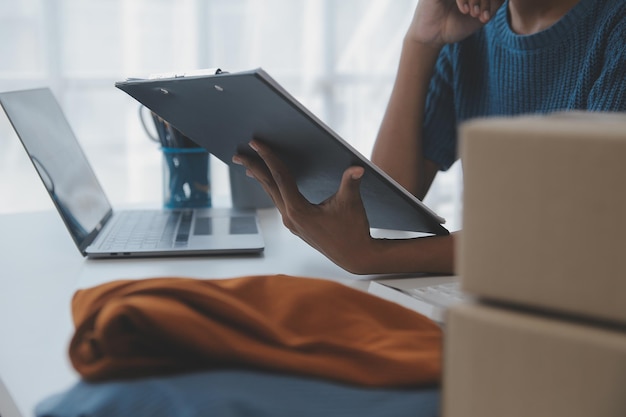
[410, 42]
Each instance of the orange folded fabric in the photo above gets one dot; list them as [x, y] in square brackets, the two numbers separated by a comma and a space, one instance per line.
[304, 326]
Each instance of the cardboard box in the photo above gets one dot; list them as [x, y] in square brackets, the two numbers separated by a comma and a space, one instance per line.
[499, 363]
[544, 212]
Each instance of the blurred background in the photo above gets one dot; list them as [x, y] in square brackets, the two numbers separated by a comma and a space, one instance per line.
[337, 57]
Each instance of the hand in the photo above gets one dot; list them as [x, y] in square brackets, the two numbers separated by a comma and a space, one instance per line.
[337, 227]
[437, 22]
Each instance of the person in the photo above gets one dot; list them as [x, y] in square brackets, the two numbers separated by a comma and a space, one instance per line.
[460, 59]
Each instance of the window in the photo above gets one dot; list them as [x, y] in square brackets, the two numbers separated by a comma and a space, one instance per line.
[338, 57]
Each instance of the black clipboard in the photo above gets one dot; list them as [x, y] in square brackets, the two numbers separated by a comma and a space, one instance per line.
[223, 111]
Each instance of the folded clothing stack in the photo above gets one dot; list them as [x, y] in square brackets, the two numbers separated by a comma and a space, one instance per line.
[286, 334]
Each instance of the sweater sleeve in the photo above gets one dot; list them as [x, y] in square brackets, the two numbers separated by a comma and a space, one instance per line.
[609, 90]
[439, 132]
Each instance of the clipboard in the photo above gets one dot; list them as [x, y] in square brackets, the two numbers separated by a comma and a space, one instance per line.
[223, 111]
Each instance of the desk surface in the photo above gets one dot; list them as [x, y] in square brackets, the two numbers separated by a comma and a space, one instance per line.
[41, 269]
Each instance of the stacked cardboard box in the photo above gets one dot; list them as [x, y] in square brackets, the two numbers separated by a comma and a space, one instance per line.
[543, 246]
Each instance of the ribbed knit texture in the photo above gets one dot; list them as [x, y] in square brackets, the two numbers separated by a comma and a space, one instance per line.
[579, 63]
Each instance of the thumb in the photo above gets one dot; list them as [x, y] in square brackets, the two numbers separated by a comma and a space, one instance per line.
[350, 184]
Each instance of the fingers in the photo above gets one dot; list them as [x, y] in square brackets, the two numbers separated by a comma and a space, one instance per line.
[256, 169]
[463, 5]
[482, 10]
[283, 179]
[277, 182]
[349, 189]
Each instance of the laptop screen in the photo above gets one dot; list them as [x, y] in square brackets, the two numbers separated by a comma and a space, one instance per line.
[49, 140]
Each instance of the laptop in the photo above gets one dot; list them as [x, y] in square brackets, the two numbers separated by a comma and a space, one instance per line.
[99, 231]
[429, 295]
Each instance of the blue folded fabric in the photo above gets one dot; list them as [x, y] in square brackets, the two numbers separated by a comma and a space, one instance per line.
[236, 393]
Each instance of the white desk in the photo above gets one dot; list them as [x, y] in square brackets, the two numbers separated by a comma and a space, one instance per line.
[40, 268]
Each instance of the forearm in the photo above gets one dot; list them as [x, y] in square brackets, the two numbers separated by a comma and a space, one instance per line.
[432, 254]
[398, 147]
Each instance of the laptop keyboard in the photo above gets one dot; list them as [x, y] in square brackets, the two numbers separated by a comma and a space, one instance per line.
[442, 295]
[148, 229]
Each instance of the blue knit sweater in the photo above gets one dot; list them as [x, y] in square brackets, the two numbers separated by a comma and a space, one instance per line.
[577, 63]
